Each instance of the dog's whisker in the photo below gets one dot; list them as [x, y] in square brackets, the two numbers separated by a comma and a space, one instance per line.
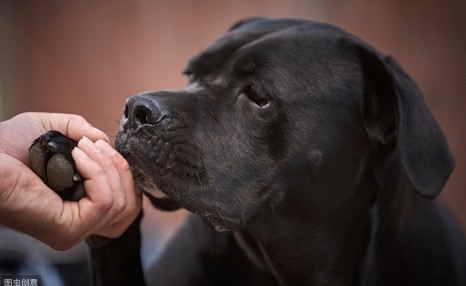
[172, 165]
[199, 179]
[220, 215]
[167, 175]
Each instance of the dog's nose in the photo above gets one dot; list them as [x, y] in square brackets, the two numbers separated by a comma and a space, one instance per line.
[141, 110]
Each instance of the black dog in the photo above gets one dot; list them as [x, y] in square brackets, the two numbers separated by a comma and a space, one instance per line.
[314, 158]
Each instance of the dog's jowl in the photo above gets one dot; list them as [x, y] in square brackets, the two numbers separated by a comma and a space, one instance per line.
[306, 158]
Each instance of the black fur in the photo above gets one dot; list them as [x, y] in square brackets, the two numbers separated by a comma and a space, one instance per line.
[306, 158]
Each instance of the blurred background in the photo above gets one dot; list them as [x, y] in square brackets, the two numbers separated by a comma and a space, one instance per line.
[87, 57]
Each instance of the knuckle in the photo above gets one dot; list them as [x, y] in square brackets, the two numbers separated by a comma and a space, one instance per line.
[124, 165]
[132, 208]
[120, 205]
[119, 161]
[114, 232]
[117, 158]
[105, 203]
[99, 171]
[106, 163]
[78, 118]
[62, 244]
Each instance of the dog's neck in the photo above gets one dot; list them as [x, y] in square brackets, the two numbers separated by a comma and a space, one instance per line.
[402, 220]
[301, 247]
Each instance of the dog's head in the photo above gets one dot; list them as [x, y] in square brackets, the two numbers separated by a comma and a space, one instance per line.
[279, 110]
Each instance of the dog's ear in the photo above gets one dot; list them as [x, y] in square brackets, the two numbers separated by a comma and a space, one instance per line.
[394, 109]
[244, 22]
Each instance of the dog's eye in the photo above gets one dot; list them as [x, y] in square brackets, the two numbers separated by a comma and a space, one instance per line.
[255, 96]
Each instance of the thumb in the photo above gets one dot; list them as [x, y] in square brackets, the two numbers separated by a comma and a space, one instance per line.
[78, 127]
[73, 126]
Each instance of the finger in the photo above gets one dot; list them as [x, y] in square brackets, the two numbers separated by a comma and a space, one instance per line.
[95, 181]
[109, 172]
[106, 163]
[116, 229]
[73, 126]
[79, 127]
[98, 207]
[122, 168]
[118, 225]
[133, 197]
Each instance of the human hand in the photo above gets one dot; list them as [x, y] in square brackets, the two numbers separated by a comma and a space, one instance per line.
[28, 205]
[17, 134]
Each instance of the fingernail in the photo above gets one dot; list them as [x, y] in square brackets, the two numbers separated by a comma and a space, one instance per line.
[80, 153]
[101, 132]
[89, 144]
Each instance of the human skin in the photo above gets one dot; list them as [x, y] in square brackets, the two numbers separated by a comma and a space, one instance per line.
[28, 205]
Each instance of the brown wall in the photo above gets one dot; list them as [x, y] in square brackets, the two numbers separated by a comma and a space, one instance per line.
[86, 57]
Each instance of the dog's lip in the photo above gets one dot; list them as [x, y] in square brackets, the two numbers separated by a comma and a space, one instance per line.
[222, 223]
[157, 193]
[166, 203]
[152, 189]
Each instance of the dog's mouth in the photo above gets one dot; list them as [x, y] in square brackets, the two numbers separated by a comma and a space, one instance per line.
[163, 169]
[151, 189]
[174, 177]
[164, 202]
[158, 198]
